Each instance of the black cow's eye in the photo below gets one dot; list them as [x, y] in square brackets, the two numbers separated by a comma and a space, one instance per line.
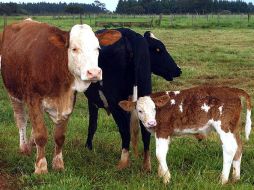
[158, 50]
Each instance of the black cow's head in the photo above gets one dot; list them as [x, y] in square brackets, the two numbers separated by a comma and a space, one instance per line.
[162, 63]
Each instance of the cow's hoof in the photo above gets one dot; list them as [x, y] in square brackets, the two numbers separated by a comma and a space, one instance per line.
[41, 167]
[125, 160]
[58, 163]
[25, 149]
[223, 180]
[166, 177]
[89, 146]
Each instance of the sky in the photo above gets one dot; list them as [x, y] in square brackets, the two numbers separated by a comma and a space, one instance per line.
[110, 4]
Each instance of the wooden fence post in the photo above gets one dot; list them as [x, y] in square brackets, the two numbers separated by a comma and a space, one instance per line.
[5, 21]
[160, 19]
[248, 17]
[80, 18]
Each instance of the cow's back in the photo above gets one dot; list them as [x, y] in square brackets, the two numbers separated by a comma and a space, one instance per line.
[31, 64]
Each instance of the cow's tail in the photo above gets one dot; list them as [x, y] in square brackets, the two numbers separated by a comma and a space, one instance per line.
[244, 94]
[134, 124]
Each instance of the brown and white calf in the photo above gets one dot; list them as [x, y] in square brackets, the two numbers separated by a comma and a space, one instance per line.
[193, 111]
[42, 67]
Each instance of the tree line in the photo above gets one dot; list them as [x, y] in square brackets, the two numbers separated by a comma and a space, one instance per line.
[51, 8]
[182, 6]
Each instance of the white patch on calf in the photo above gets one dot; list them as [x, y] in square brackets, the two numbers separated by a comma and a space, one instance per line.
[181, 107]
[167, 92]
[82, 53]
[176, 92]
[204, 130]
[173, 102]
[205, 107]
[161, 154]
[229, 146]
[220, 109]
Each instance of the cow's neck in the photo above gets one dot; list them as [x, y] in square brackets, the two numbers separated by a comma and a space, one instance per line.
[79, 85]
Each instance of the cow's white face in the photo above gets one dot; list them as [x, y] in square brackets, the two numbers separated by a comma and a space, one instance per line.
[146, 111]
[83, 54]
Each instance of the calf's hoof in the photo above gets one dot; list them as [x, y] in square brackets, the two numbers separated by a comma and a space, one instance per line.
[147, 162]
[125, 160]
[41, 166]
[147, 167]
[25, 149]
[166, 177]
[57, 163]
[223, 180]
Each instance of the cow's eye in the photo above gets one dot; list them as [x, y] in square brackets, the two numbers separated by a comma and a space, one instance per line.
[74, 49]
[139, 111]
[158, 49]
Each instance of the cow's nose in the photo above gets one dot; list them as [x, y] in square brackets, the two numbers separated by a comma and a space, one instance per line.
[94, 74]
[152, 123]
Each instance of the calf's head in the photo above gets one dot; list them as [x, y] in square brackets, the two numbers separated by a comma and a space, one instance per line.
[146, 108]
[162, 63]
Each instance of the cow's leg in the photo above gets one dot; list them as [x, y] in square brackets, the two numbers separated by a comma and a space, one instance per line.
[237, 159]
[39, 134]
[93, 117]
[123, 120]
[161, 154]
[146, 141]
[21, 122]
[59, 136]
[229, 146]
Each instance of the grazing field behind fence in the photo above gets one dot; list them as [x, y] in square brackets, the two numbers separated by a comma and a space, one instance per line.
[220, 55]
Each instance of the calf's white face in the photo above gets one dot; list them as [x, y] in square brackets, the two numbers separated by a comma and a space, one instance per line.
[83, 53]
[146, 111]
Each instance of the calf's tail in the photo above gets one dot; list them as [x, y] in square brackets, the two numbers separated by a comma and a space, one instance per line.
[134, 124]
[248, 112]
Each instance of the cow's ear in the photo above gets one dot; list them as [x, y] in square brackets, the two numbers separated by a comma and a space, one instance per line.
[127, 105]
[108, 37]
[60, 40]
[161, 100]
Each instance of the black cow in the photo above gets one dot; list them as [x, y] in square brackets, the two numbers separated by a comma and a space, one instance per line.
[126, 64]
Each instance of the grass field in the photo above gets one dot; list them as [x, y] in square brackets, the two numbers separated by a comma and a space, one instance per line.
[207, 56]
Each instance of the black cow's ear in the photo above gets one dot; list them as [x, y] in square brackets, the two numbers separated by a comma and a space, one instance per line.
[147, 34]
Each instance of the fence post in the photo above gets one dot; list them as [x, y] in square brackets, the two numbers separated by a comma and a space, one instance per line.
[160, 20]
[248, 18]
[5, 20]
[80, 18]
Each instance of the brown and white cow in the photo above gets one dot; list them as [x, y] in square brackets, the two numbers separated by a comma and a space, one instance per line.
[43, 67]
[193, 111]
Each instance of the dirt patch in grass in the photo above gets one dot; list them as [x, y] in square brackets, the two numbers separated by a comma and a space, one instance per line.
[8, 182]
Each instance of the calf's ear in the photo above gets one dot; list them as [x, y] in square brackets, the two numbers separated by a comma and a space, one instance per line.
[127, 105]
[108, 37]
[161, 100]
[59, 40]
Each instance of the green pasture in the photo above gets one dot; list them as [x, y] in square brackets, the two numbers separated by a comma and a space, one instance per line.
[221, 56]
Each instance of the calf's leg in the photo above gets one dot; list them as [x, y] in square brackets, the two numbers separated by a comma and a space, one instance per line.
[21, 122]
[161, 154]
[229, 147]
[146, 141]
[39, 134]
[237, 159]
